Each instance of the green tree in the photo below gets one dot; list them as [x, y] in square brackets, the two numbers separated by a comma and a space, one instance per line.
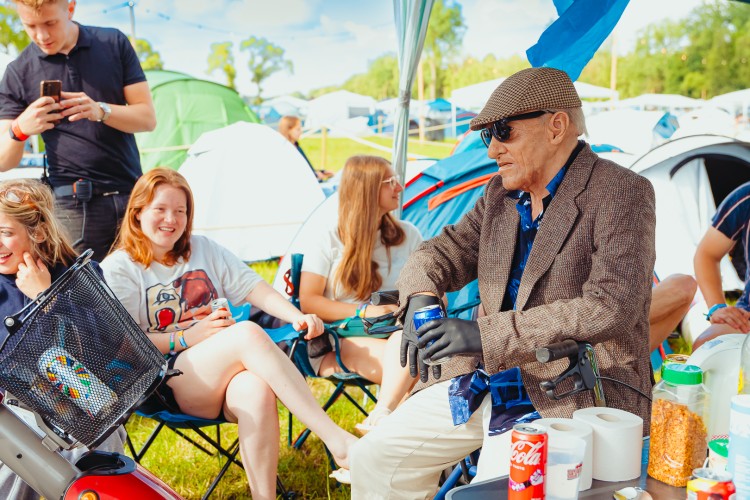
[380, 81]
[150, 59]
[221, 58]
[445, 33]
[471, 70]
[265, 60]
[12, 34]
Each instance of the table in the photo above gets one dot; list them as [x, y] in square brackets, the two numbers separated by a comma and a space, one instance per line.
[496, 489]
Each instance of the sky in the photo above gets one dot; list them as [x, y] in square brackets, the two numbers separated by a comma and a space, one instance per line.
[330, 40]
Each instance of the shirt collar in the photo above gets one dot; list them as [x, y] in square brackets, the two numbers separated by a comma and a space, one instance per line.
[83, 42]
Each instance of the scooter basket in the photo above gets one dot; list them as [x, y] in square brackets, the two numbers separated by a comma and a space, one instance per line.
[76, 357]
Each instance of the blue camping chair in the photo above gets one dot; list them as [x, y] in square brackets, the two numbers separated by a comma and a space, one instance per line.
[179, 422]
[297, 348]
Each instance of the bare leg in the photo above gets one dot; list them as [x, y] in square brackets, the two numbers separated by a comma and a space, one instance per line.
[208, 368]
[670, 301]
[251, 404]
[378, 361]
[711, 333]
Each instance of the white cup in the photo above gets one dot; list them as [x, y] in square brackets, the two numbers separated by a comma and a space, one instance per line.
[564, 464]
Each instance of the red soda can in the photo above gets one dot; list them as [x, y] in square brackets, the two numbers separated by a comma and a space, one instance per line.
[528, 462]
[220, 303]
[708, 484]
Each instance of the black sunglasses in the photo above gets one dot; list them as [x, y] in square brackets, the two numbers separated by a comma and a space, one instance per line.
[500, 130]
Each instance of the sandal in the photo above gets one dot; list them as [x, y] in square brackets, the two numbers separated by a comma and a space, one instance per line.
[342, 475]
[372, 420]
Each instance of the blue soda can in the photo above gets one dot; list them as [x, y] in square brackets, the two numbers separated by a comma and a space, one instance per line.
[422, 316]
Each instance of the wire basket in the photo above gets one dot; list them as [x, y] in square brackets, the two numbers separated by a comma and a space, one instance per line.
[76, 357]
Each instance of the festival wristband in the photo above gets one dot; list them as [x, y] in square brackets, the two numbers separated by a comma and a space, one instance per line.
[15, 132]
[171, 344]
[361, 310]
[713, 309]
[181, 338]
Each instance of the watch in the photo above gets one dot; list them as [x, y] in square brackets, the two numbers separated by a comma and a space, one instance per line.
[107, 111]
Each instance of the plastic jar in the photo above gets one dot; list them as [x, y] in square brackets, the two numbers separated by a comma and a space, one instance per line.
[678, 424]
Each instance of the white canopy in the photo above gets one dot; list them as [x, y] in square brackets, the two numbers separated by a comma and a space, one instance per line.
[252, 189]
[628, 129]
[662, 102]
[337, 107]
[737, 102]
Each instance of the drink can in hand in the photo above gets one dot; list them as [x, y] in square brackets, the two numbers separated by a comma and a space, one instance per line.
[528, 462]
[70, 377]
[424, 315]
[220, 303]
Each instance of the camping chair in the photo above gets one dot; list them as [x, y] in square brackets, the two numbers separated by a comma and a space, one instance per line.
[178, 422]
[297, 350]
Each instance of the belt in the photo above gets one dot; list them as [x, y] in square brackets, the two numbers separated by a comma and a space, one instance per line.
[68, 190]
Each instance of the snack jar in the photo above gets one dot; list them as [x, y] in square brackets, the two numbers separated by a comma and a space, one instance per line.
[678, 424]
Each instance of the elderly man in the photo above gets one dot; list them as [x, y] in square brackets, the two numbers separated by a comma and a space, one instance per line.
[563, 245]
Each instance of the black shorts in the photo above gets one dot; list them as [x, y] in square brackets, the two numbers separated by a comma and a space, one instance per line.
[163, 398]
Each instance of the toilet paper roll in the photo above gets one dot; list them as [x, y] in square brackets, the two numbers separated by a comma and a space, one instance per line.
[618, 441]
[568, 427]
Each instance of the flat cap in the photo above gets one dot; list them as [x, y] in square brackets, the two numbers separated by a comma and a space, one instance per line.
[531, 89]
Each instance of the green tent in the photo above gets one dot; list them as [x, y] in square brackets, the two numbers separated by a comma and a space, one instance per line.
[186, 108]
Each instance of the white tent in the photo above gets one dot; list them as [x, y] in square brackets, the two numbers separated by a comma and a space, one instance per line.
[628, 129]
[737, 102]
[285, 105]
[252, 188]
[337, 108]
[691, 176]
[706, 120]
[661, 102]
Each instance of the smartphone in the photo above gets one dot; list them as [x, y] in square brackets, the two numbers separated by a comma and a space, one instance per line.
[52, 88]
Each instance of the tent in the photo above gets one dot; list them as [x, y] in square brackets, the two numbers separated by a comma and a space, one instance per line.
[661, 102]
[736, 103]
[691, 176]
[185, 108]
[337, 108]
[252, 188]
[273, 109]
[627, 129]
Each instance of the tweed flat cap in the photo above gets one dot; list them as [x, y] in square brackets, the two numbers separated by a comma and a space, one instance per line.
[531, 89]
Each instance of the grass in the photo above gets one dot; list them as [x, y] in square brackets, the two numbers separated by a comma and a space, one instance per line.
[338, 149]
[189, 471]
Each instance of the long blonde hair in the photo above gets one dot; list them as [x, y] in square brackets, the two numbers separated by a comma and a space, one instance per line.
[32, 204]
[286, 124]
[131, 237]
[359, 222]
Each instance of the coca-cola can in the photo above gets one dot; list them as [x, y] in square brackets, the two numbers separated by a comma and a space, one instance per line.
[528, 462]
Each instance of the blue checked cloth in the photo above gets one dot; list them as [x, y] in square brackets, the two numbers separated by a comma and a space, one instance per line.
[510, 401]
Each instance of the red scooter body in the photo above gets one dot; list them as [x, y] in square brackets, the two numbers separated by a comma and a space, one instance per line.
[112, 476]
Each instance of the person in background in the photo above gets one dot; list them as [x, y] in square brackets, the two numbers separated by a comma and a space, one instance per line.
[166, 278]
[358, 253]
[291, 128]
[91, 150]
[34, 251]
[729, 227]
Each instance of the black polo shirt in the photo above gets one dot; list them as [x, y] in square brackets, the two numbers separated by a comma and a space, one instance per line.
[101, 64]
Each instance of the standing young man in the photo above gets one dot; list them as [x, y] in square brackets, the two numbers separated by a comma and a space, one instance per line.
[91, 150]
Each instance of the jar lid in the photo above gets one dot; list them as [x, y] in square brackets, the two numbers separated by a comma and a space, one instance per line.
[679, 374]
[720, 447]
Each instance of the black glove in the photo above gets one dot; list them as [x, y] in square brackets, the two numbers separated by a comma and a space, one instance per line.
[409, 336]
[443, 338]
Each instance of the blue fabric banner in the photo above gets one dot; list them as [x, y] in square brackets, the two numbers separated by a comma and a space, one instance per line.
[571, 41]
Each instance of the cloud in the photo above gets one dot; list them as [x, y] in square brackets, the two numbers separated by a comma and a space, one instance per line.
[255, 14]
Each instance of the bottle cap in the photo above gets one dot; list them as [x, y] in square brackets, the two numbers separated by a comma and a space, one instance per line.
[679, 374]
[720, 447]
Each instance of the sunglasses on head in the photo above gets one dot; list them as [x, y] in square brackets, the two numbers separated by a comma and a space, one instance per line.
[500, 130]
[16, 195]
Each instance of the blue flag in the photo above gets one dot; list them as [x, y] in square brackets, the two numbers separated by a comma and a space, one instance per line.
[571, 41]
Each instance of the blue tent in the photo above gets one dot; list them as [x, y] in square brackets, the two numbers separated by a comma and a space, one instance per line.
[441, 195]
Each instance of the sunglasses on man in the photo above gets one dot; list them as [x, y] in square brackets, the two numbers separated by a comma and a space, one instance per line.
[500, 130]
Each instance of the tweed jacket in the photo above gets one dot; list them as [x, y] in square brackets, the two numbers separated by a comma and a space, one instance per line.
[588, 277]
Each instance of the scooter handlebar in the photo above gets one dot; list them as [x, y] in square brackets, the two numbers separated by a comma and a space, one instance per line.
[384, 298]
[559, 350]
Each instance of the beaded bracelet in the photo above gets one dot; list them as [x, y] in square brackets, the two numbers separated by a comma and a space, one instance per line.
[171, 344]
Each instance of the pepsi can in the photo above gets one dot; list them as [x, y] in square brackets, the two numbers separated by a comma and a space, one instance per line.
[424, 315]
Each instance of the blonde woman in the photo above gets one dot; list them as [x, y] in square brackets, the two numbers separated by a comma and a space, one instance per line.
[291, 128]
[34, 251]
[360, 253]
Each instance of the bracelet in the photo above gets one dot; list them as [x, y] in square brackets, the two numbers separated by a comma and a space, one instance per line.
[361, 310]
[171, 344]
[15, 132]
[713, 309]
[181, 338]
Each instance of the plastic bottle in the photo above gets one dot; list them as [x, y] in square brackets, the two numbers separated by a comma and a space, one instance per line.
[744, 382]
[679, 413]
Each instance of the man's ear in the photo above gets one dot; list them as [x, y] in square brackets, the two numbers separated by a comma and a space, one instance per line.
[558, 126]
[71, 8]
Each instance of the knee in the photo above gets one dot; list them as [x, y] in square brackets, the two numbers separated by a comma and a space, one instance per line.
[681, 286]
[252, 336]
[247, 391]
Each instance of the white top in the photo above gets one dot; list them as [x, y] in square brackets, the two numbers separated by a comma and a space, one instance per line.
[324, 250]
[162, 298]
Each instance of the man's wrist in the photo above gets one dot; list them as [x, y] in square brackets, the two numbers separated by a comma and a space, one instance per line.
[15, 132]
[713, 309]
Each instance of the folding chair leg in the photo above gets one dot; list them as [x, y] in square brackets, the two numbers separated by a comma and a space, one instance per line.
[137, 456]
[192, 441]
[230, 460]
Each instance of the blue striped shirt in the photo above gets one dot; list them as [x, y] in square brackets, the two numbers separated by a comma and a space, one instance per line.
[732, 219]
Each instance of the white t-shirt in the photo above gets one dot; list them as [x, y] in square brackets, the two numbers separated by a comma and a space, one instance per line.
[162, 298]
[323, 252]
